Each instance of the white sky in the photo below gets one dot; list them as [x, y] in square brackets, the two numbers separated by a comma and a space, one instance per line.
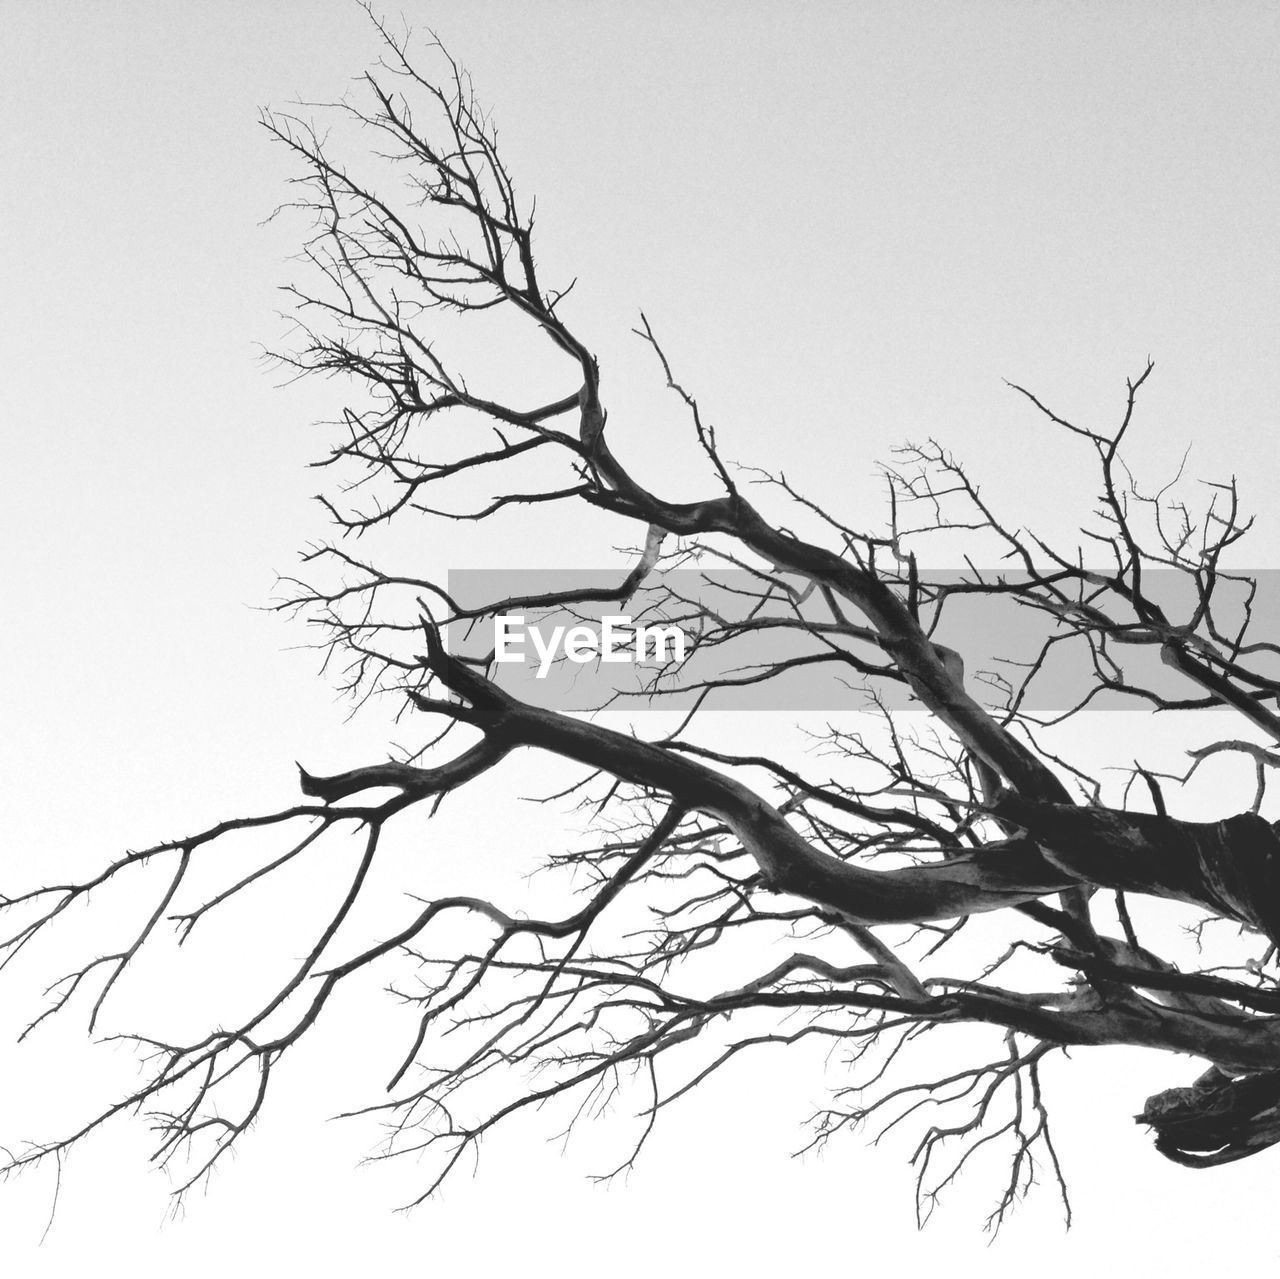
[849, 223]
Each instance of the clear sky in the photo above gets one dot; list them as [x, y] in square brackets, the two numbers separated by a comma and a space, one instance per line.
[849, 223]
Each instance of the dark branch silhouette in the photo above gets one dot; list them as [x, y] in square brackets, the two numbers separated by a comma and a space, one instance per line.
[915, 838]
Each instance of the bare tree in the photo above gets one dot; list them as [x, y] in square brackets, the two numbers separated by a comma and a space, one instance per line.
[965, 838]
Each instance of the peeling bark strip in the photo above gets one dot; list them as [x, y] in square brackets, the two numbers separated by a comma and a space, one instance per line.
[1231, 867]
[1217, 1120]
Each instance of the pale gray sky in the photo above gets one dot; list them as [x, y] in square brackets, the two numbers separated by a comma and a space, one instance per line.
[849, 222]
